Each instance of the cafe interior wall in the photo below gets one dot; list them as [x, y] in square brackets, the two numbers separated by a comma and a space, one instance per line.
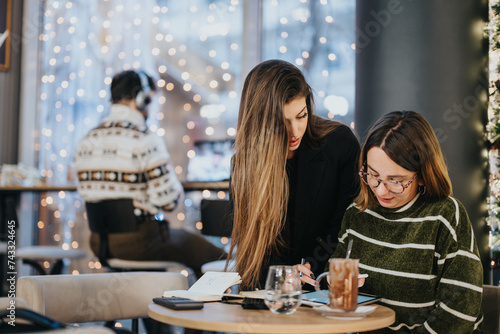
[438, 66]
[9, 82]
[199, 51]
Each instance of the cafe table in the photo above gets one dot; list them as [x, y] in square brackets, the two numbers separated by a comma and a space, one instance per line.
[10, 197]
[9, 194]
[232, 318]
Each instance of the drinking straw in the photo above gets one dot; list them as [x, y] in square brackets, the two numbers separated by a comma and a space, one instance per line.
[349, 247]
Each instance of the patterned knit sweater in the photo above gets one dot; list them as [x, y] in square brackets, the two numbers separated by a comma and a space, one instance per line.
[422, 259]
[121, 159]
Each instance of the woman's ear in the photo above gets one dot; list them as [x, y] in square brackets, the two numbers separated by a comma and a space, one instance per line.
[420, 180]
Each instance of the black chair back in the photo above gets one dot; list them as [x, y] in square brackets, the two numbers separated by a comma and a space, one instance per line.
[110, 216]
[217, 218]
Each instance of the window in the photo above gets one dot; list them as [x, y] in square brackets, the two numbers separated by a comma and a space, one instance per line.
[195, 51]
[317, 36]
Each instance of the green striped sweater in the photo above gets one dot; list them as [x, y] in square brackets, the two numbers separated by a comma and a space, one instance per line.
[422, 259]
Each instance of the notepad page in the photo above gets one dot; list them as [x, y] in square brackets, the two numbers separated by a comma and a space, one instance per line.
[258, 294]
[215, 282]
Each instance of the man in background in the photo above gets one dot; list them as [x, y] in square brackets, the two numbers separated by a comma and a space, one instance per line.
[122, 163]
[122, 159]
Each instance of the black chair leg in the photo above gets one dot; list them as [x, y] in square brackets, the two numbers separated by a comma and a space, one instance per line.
[135, 326]
[35, 265]
[57, 268]
[110, 324]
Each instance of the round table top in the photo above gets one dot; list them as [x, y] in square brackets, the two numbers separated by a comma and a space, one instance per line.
[49, 252]
[222, 317]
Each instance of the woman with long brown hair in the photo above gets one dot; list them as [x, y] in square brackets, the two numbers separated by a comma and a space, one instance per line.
[293, 175]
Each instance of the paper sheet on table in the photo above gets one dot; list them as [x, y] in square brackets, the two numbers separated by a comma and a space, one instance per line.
[210, 287]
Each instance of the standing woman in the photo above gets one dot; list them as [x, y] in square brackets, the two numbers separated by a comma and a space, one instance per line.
[293, 175]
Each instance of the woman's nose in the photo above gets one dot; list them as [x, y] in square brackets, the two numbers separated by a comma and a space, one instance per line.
[292, 130]
[381, 189]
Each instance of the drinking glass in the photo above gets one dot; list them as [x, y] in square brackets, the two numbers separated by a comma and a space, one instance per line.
[343, 289]
[283, 289]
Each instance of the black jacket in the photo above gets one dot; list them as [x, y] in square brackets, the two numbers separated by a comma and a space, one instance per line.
[326, 184]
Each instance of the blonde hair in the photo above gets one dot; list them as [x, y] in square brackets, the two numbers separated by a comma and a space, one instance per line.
[408, 139]
[259, 183]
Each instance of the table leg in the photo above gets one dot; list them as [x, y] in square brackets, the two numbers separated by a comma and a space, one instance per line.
[7, 213]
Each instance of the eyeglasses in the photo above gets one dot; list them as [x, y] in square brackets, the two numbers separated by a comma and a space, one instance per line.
[395, 187]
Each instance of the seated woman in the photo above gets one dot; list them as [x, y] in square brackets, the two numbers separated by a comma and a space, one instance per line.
[414, 240]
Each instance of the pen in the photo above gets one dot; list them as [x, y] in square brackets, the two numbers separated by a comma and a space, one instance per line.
[302, 262]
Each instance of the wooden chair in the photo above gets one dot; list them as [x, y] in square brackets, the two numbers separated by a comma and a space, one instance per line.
[97, 297]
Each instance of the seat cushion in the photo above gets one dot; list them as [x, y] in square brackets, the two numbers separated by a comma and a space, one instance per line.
[96, 297]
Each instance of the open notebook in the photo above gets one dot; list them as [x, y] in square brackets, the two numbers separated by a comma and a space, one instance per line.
[210, 287]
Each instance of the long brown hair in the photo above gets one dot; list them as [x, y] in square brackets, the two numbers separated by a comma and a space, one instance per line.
[408, 139]
[259, 183]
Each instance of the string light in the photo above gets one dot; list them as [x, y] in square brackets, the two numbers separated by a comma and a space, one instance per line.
[494, 136]
[198, 65]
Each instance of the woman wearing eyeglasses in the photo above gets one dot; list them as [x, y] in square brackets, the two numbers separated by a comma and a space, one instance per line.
[414, 240]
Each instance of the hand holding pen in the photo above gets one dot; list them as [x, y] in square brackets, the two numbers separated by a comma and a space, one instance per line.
[307, 276]
[305, 273]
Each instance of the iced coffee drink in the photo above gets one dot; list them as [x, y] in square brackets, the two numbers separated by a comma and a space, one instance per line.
[343, 284]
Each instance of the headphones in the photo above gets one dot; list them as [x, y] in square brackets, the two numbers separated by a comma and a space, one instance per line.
[143, 98]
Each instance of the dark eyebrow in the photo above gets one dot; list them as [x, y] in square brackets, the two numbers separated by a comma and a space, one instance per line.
[391, 176]
[301, 111]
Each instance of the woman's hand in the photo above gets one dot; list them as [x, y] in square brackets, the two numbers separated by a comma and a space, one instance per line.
[306, 274]
[361, 282]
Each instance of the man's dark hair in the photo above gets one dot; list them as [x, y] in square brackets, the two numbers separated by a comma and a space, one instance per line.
[127, 84]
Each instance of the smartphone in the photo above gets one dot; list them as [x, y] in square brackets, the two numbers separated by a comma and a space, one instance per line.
[178, 303]
[253, 304]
